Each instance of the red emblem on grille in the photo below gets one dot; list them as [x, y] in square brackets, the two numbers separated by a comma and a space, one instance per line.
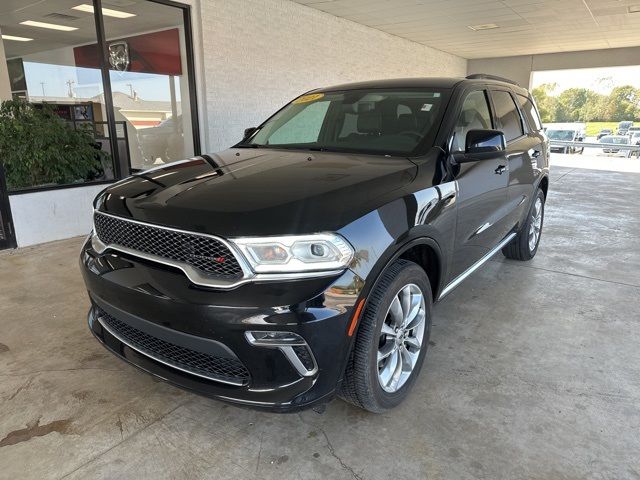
[219, 259]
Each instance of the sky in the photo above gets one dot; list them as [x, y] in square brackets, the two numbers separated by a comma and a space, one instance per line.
[87, 82]
[601, 80]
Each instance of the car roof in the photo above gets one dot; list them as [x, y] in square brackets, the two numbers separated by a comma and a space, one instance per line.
[425, 82]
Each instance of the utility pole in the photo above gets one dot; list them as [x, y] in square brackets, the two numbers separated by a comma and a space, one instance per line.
[130, 89]
[43, 84]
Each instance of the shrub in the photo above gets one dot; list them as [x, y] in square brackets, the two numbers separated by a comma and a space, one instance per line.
[38, 148]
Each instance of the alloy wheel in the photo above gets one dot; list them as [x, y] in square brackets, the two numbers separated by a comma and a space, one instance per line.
[401, 338]
[536, 225]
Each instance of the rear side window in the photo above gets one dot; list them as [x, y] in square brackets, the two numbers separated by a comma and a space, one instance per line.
[530, 112]
[507, 114]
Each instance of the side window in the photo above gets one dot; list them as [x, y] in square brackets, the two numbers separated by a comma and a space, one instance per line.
[474, 115]
[302, 128]
[530, 112]
[507, 114]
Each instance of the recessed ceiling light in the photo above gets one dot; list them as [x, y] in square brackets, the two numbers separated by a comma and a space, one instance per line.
[52, 26]
[484, 26]
[633, 9]
[17, 39]
[85, 7]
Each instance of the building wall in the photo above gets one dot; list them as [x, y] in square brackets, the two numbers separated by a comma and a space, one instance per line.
[520, 68]
[40, 217]
[260, 54]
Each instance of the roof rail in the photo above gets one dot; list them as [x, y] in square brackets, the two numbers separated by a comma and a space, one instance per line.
[486, 76]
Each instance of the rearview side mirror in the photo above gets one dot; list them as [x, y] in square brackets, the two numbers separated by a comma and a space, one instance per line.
[481, 145]
[249, 131]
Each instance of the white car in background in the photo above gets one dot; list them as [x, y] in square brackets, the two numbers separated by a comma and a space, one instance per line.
[632, 131]
[565, 132]
[614, 140]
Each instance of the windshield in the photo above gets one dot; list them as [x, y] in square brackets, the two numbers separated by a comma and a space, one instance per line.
[368, 121]
[565, 135]
[615, 140]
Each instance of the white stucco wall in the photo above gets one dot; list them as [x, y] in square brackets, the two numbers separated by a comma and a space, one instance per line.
[260, 54]
[40, 217]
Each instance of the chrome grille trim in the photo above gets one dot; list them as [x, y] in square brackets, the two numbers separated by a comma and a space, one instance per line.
[195, 275]
[241, 380]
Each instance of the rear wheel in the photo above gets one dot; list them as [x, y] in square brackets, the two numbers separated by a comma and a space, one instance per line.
[525, 245]
[392, 339]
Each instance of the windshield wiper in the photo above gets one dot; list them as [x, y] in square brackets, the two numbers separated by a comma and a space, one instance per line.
[252, 145]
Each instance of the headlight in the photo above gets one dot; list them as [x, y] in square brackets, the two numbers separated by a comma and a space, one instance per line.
[290, 254]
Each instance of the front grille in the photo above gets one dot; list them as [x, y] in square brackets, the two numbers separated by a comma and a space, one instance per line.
[204, 253]
[227, 370]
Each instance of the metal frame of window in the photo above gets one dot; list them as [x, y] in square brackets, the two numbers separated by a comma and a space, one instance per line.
[122, 167]
[6, 219]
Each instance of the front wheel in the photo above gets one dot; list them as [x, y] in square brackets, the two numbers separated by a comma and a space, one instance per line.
[525, 245]
[392, 339]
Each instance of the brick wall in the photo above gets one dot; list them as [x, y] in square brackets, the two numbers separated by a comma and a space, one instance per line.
[259, 54]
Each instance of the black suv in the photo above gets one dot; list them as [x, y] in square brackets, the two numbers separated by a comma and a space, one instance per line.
[303, 262]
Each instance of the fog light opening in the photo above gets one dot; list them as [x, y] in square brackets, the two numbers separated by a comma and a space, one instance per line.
[292, 345]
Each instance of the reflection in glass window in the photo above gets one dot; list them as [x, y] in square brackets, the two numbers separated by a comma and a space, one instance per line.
[507, 115]
[149, 81]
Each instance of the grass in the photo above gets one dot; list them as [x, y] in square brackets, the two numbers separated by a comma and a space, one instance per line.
[593, 128]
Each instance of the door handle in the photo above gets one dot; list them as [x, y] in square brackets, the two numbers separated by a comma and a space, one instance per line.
[500, 170]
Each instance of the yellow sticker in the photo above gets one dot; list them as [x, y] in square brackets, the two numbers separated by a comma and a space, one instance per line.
[308, 98]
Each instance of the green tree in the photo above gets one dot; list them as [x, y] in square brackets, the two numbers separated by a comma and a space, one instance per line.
[594, 108]
[547, 104]
[623, 103]
[571, 103]
[38, 148]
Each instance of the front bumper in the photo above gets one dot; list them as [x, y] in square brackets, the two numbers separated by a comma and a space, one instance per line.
[162, 304]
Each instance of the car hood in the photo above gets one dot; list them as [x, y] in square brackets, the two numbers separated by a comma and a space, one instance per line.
[242, 192]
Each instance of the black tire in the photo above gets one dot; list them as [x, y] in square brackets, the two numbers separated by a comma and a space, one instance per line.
[519, 248]
[360, 385]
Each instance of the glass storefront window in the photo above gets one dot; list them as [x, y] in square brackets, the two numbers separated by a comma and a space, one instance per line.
[56, 71]
[53, 126]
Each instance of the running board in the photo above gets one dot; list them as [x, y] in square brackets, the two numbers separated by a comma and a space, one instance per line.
[460, 278]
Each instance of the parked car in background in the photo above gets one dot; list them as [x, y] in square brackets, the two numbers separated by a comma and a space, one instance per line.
[632, 130]
[623, 127]
[303, 262]
[614, 140]
[635, 140]
[566, 133]
[604, 132]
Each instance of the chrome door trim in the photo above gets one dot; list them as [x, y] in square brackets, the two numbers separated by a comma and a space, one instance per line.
[460, 278]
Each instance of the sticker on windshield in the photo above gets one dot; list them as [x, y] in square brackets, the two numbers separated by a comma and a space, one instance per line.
[426, 107]
[308, 98]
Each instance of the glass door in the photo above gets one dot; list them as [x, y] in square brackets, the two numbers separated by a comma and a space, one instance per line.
[151, 83]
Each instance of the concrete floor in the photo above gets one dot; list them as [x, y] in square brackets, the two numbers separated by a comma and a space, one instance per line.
[533, 372]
